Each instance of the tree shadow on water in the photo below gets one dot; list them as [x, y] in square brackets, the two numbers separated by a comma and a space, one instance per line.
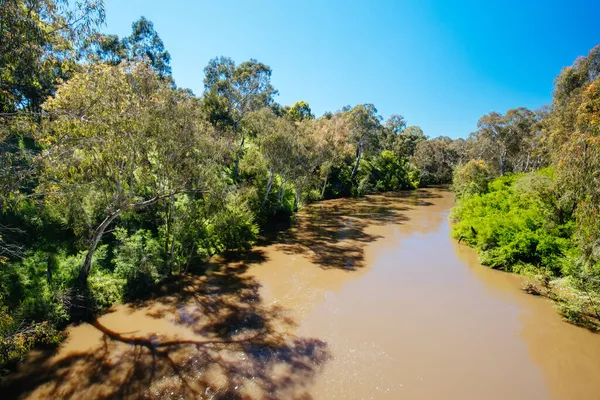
[333, 234]
[230, 345]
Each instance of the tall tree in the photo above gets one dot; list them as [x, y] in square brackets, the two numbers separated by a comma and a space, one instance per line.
[300, 111]
[574, 126]
[232, 92]
[332, 134]
[365, 128]
[39, 40]
[144, 43]
[38, 49]
[119, 140]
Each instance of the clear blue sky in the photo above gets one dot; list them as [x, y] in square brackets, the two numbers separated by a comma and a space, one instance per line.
[441, 64]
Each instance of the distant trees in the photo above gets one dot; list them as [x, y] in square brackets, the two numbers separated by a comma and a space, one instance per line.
[436, 158]
[509, 142]
[300, 111]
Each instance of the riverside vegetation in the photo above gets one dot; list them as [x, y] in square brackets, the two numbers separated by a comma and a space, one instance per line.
[113, 178]
[528, 200]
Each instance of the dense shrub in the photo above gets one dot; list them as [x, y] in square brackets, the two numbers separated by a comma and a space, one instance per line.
[514, 225]
[235, 228]
[392, 172]
[386, 172]
[471, 178]
[138, 261]
[17, 339]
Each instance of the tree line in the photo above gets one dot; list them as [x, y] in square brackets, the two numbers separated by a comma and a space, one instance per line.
[113, 178]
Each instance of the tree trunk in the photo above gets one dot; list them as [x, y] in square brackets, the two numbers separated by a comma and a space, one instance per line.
[503, 154]
[527, 163]
[168, 229]
[173, 213]
[238, 153]
[282, 191]
[299, 185]
[177, 230]
[358, 157]
[97, 235]
[324, 186]
[269, 185]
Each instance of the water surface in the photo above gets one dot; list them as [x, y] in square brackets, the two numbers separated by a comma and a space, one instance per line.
[364, 298]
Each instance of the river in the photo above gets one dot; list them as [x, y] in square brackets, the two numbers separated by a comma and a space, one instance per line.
[363, 299]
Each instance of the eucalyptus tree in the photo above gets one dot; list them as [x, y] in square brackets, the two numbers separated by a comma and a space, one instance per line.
[312, 151]
[574, 127]
[507, 141]
[391, 129]
[300, 111]
[277, 142]
[39, 40]
[436, 159]
[144, 44]
[364, 130]
[38, 48]
[232, 92]
[407, 141]
[331, 133]
[120, 139]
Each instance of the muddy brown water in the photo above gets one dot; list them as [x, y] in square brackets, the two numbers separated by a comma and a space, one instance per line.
[364, 299]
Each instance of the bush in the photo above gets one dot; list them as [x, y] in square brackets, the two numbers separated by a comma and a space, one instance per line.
[513, 226]
[385, 173]
[235, 227]
[470, 179]
[392, 173]
[138, 261]
[339, 183]
[16, 340]
[106, 289]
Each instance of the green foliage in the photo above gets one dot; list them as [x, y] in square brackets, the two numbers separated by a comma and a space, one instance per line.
[107, 289]
[16, 341]
[435, 159]
[514, 225]
[300, 111]
[138, 261]
[392, 173]
[234, 226]
[471, 178]
[340, 179]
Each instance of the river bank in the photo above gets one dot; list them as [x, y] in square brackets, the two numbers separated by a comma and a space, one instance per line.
[363, 298]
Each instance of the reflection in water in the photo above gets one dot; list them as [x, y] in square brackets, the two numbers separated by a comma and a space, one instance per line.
[363, 298]
[568, 356]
